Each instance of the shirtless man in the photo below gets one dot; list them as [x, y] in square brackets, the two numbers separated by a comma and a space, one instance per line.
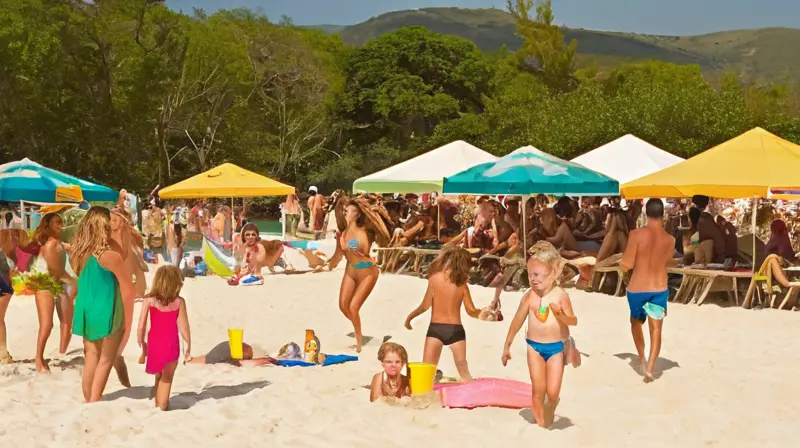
[316, 203]
[648, 253]
[447, 290]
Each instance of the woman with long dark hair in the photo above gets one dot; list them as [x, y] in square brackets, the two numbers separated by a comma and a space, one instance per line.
[361, 273]
[54, 288]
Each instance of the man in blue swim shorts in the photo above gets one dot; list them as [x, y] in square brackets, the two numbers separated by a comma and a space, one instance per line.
[648, 253]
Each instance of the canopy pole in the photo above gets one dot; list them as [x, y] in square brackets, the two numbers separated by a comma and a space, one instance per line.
[754, 224]
[283, 224]
[525, 199]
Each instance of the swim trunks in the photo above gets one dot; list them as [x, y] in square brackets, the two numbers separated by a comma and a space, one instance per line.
[546, 349]
[447, 333]
[648, 304]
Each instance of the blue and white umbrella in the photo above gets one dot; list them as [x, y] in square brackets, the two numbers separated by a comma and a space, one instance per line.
[26, 180]
[528, 171]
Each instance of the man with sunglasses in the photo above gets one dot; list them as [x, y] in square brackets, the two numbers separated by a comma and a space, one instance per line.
[253, 258]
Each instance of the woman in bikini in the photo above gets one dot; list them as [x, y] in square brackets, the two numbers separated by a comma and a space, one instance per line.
[361, 274]
[252, 256]
[54, 287]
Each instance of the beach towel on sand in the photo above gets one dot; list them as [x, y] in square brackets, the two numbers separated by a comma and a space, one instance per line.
[329, 361]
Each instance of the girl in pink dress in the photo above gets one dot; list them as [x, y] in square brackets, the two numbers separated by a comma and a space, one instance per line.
[167, 311]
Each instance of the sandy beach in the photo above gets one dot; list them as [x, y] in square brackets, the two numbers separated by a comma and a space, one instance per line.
[726, 378]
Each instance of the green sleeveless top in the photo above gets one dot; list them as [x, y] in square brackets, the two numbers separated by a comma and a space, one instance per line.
[98, 305]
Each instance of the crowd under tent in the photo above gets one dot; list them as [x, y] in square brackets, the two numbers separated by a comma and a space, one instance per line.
[528, 171]
[424, 173]
[751, 165]
[627, 158]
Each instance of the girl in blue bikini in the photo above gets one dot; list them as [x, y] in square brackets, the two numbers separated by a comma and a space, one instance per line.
[361, 274]
[549, 313]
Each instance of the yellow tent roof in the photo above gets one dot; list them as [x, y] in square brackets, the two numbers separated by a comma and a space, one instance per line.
[226, 181]
[744, 167]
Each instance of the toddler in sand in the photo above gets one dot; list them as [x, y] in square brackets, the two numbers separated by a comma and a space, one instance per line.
[168, 318]
[390, 382]
[548, 310]
[447, 290]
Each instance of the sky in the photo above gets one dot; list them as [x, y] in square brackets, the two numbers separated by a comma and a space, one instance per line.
[668, 17]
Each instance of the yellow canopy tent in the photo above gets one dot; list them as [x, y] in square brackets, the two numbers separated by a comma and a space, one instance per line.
[226, 181]
[747, 166]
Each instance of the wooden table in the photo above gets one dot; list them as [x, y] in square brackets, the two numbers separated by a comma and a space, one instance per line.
[697, 283]
[599, 278]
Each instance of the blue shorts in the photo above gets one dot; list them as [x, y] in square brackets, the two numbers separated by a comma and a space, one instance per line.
[546, 349]
[647, 304]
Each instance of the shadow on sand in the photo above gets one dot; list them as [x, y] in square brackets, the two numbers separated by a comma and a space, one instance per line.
[560, 424]
[368, 339]
[662, 364]
[186, 400]
[63, 364]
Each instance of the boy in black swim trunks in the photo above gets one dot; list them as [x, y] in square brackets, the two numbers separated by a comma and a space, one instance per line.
[447, 290]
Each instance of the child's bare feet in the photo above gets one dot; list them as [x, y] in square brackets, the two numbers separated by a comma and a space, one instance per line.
[41, 366]
[549, 412]
[355, 347]
[648, 376]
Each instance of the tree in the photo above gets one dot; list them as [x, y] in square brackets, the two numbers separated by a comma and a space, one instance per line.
[400, 86]
[543, 50]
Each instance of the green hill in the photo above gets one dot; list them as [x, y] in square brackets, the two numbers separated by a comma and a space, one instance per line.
[768, 53]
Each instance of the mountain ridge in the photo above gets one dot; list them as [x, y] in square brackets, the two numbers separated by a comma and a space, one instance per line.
[761, 53]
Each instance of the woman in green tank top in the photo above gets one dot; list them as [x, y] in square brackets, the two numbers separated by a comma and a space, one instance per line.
[103, 283]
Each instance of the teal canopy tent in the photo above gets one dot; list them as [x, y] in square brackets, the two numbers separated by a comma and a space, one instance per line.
[528, 171]
[26, 180]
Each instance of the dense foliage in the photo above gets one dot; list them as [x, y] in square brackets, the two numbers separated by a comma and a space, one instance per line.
[132, 94]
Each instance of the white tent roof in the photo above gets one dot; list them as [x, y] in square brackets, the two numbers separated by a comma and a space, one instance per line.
[627, 158]
[424, 173]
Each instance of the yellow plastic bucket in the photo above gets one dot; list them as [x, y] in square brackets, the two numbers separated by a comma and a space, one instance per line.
[422, 376]
[235, 339]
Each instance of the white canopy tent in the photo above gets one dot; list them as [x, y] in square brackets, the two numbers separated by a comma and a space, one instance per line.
[627, 158]
[424, 173]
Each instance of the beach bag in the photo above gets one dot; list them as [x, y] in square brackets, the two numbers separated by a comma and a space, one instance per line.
[155, 242]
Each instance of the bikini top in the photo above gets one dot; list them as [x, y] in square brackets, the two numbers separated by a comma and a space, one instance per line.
[353, 243]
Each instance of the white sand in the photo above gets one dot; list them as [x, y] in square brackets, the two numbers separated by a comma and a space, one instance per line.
[729, 378]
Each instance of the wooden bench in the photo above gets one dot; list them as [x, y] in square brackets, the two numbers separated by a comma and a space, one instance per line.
[696, 284]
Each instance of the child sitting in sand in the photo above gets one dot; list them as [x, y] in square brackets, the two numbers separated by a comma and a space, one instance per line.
[447, 290]
[390, 382]
[168, 318]
[548, 310]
